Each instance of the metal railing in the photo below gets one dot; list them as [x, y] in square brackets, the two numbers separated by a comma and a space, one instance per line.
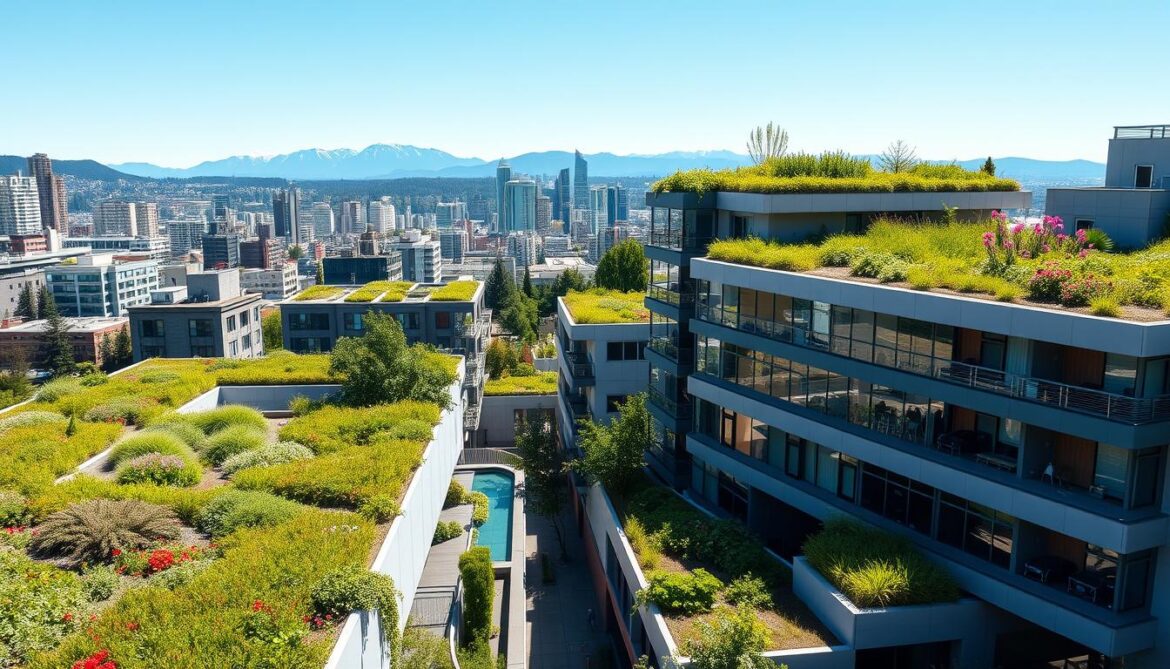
[668, 347]
[671, 297]
[680, 410]
[1121, 408]
[471, 417]
[675, 239]
[489, 456]
[1141, 131]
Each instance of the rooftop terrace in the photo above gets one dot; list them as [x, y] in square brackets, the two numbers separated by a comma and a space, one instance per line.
[390, 291]
[599, 306]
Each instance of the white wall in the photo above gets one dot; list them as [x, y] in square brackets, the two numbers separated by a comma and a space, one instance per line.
[497, 416]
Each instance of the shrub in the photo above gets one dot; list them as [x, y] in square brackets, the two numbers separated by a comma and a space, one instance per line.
[884, 267]
[99, 582]
[1046, 284]
[160, 470]
[446, 531]
[90, 531]
[336, 428]
[1105, 306]
[480, 508]
[58, 389]
[162, 443]
[224, 417]
[30, 418]
[188, 433]
[184, 502]
[13, 509]
[1081, 291]
[747, 590]
[475, 566]
[180, 575]
[921, 278]
[266, 456]
[379, 508]
[231, 441]
[732, 640]
[126, 410]
[456, 494]
[238, 508]
[41, 605]
[686, 593]
[355, 588]
[873, 568]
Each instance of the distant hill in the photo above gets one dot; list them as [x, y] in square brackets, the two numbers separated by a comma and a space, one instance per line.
[83, 169]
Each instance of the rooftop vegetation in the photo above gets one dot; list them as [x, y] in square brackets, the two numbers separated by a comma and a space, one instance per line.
[456, 291]
[538, 383]
[601, 306]
[831, 172]
[1007, 261]
[319, 292]
[381, 291]
[876, 569]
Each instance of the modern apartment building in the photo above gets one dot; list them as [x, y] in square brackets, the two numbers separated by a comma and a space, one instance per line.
[382, 217]
[602, 361]
[98, 285]
[157, 248]
[422, 259]
[50, 193]
[20, 206]
[519, 206]
[280, 283]
[210, 317]
[116, 218]
[1133, 207]
[1023, 448]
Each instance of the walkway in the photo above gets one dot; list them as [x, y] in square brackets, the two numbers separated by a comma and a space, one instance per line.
[431, 608]
[559, 634]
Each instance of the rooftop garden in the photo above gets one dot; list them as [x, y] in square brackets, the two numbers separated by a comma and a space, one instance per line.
[381, 291]
[456, 291]
[1007, 261]
[876, 569]
[219, 533]
[319, 292]
[537, 383]
[700, 567]
[831, 172]
[603, 306]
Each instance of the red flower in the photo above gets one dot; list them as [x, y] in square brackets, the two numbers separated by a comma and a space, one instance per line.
[328, 616]
[133, 627]
[257, 605]
[99, 660]
[68, 617]
[116, 552]
[161, 559]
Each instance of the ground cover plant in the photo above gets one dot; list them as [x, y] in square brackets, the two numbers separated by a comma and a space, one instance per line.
[598, 305]
[318, 292]
[455, 291]
[538, 383]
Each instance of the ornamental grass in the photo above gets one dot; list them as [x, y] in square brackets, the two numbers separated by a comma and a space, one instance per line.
[318, 292]
[381, 291]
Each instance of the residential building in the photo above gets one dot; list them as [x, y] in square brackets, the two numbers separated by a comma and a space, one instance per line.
[362, 269]
[210, 317]
[12, 285]
[20, 205]
[449, 214]
[26, 343]
[519, 206]
[185, 234]
[157, 248]
[279, 283]
[115, 218]
[562, 197]
[353, 220]
[1133, 206]
[22, 245]
[543, 214]
[522, 249]
[146, 214]
[50, 194]
[503, 176]
[453, 244]
[422, 260]
[221, 251]
[98, 285]
[382, 216]
[262, 253]
[320, 216]
[580, 181]
[601, 364]
[285, 213]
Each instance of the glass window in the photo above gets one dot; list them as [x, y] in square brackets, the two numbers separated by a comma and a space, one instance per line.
[200, 327]
[442, 320]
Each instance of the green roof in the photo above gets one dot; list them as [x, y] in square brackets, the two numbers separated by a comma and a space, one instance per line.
[601, 306]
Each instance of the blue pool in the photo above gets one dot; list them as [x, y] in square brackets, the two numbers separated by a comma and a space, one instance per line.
[496, 533]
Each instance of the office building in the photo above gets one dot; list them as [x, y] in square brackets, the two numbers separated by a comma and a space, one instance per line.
[558, 246]
[156, 248]
[562, 200]
[543, 214]
[210, 317]
[221, 214]
[452, 245]
[279, 283]
[50, 194]
[522, 247]
[353, 220]
[503, 176]
[262, 253]
[617, 204]
[422, 259]
[98, 285]
[20, 206]
[320, 216]
[221, 251]
[363, 269]
[286, 213]
[12, 285]
[383, 218]
[580, 181]
[185, 234]
[599, 209]
[25, 342]
[519, 206]
[450, 214]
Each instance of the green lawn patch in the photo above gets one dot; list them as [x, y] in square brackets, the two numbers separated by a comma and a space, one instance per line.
[540, 383]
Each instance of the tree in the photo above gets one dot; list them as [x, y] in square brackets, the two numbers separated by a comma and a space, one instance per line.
[527, 286]
[106, 352]
[59, 350]
[623, 267]
[295, 252]
[26, 304]
[123, 352]
[500, 358]
[519, 316]
[989, 167]
[379, 367]
[44, 297]
[270, 329]
[614, 453]
[543, 463]
[733, 639]
[498, 287]
[320, 273]
[570, 279]
[898, 157]
[767, 142]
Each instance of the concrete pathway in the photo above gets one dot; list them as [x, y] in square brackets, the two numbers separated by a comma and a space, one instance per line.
[559, 632]
[431, 608]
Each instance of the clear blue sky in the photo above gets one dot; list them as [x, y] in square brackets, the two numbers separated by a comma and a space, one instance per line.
[175, 83]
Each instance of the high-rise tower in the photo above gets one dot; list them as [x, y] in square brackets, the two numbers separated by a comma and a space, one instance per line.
[51, 194]
[580, 182]
[503, 176]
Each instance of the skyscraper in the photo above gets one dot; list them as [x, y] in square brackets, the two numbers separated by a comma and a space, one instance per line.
[562, 196]
[20, 208]
[50, 193]
[284, 213]
[352, 221]
[599, 209]
[503, 175]
[219, 209]
[448, 213]
[619, 204]
[580, 182]
[543, 213]
[519, 213]
[382, 216]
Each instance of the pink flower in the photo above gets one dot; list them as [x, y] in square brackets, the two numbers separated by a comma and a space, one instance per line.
[1046, 248]
[1017, 228]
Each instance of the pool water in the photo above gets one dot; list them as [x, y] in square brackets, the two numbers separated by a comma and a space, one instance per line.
[496, 533]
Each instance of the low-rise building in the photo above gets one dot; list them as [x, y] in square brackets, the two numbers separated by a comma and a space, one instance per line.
[99, 285]
[209, 317]
[25, 342]
[273, 284]
[547, 272]
[157, 248]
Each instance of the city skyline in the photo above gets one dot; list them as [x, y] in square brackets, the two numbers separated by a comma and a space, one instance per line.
[843, 98]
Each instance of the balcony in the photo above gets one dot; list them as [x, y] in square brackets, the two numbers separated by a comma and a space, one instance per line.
[579, 367]
[676, 240]
[1090, 401]
[471, 417]
[671, 297]
[668, 347]
[673, 407]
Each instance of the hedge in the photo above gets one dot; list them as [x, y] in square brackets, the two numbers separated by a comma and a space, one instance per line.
[475, 566]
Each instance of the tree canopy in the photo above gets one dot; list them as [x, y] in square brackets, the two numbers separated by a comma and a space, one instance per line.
[543, 463]
[272, 331]
[614, 453]
[898, 157]
[623, 267]
[498, 287]
[379, 367]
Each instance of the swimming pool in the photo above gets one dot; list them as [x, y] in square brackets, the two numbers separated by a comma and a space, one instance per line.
[496, 533]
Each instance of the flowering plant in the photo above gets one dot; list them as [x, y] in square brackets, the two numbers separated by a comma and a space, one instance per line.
[263, 624]
[147, 561]
[1080, 292]
[1009, 242]
[1045, 285]
[99, 660]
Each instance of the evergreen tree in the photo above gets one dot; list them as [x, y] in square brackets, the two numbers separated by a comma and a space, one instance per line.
[59, 358]
[320, 273]
[623, 267]
[498, 287]
[44, 298]
[272, 331]
[71, 428]
[123, 352]
[26, 306]
[527, 286]
[295, 252]
[106, 351]
[989, 167]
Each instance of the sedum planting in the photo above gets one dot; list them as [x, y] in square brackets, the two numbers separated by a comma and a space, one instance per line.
[600, 306]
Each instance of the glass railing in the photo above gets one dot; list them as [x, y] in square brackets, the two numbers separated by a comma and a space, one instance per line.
[671, 297]
[1121, 408]
[680, 410]
[675, 239]
[669, 347]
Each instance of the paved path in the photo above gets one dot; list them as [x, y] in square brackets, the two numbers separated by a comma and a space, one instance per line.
[559, 634]
[436, 588]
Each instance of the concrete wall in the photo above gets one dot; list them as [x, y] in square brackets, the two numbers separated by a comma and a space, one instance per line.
[623, 377]
[261, 398]
[757, 203]
[1131, 217]
[497, 416]
[545, 364]
[1126, 154]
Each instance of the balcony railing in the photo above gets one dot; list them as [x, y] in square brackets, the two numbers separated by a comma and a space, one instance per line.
[680, 410]
[669, 347]
[1120, 408]
[672, 297]
[471, 417]
[1141, 132]
[675, 239]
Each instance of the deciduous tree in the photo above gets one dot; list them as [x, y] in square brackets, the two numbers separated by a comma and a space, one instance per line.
[615, 453]
[543, 463]
[898, 157]
[379, 367]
